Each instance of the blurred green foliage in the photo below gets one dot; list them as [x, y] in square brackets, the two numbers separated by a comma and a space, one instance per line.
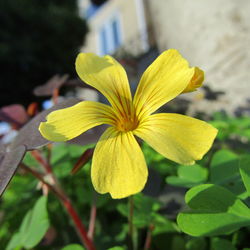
[216, 215]
[37, 40]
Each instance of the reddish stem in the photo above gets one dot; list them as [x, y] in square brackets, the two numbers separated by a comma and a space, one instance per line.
[40, 177]
[149, 237]
[55, 95]
[59, 192]
[83, 159]
[49, 147]
[36, 154]
[92, 218]
[68, 206]
[80, 228]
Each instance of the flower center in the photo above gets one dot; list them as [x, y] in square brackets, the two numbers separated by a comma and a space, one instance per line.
[127, 123]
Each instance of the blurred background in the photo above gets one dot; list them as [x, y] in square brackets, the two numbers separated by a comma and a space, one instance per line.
[39, 41]
[213, 35]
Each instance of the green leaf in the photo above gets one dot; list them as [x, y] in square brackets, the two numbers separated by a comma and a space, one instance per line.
[157, 161]
[224, 171]
[38, 224]
[15, 242]
[73, 247]
[29, 160]
[245, 172]
[76, 151]
[34, 226]
[177, 243]
[196, 244]
[121, 235]
[144, 208]
[188, 176]
[162, 225]
[214, 211]
[221, 244]
[59, 153]
[117, 248]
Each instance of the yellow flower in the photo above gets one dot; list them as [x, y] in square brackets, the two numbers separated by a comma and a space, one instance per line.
[118, 165]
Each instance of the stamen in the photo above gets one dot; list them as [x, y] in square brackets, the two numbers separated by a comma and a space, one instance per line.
[127, 122]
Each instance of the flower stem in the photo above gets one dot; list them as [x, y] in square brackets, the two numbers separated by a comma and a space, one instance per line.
[130, 222]
[61, 195]
[148, 237]
[78, 224]
[55, 95]
[92, 217]
[39, 158]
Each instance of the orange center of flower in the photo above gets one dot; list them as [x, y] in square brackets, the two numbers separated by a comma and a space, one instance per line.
[127, 123]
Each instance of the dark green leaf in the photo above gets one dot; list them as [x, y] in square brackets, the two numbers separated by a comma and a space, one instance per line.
[224, 170]
[221, 244]
[196, 244]
[245, 172]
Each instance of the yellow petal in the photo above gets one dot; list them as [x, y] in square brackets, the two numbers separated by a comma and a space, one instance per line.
[118, 165]
[179, 138]
[108, 76]
[65, 124]
[163, 80]
[196, 81]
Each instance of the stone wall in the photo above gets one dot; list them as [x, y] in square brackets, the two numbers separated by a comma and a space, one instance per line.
[214, 35]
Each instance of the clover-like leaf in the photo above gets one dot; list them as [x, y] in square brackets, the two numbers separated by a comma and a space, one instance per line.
[224, 171]
[30, 136]
[188, 176]
[48, 88]
[245, 172]
[214, 211]
[9, 161]
[14, 114]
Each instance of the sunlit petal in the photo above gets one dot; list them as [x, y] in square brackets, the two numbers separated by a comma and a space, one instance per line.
[108, 76]
[196, 81]
[163, 80]
[118, 165]
[65, 124]
[179, 138]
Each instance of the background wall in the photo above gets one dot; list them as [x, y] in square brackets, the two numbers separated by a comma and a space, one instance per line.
[130, 29]
[213, 35]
